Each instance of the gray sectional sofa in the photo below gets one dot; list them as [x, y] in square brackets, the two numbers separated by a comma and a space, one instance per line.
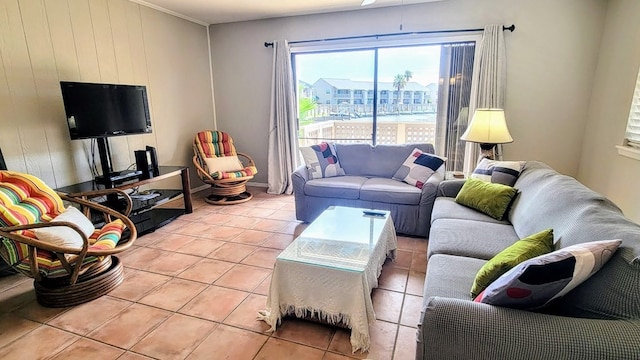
[368, 184]
[600, 319]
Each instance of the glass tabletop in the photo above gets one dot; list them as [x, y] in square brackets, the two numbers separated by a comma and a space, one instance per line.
[341, 237]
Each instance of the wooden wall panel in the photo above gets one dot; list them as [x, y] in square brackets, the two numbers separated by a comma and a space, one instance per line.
[140, 73]
[20, 81]
[82, 27]
[49, 109]
[9, 136]
[68, 69]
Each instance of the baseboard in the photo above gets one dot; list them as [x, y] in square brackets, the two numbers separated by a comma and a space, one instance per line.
[257, 184]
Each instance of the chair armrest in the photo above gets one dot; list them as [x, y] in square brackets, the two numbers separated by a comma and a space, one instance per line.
[110, 215]
[202, 173]
[462, 329]
[248, 158]
[450, 188]
[88, 195]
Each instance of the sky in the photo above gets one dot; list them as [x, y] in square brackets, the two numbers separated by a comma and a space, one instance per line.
[423, 61]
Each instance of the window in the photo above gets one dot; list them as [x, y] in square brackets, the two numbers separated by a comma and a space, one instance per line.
[406, 100]
[631, 146]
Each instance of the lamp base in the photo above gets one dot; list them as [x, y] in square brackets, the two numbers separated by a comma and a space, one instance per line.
[487, 151]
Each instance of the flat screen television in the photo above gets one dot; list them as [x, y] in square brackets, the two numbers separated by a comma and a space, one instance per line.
[105, 110]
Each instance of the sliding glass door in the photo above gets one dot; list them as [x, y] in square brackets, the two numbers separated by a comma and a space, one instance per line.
[387, 95]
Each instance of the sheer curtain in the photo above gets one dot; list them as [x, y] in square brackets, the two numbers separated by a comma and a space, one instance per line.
[489, 81]
[283, 140]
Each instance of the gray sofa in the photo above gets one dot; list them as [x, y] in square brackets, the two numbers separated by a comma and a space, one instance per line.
[368, 184]
[600, 319]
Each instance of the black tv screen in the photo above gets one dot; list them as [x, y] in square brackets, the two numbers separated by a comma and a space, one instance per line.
[103, 110]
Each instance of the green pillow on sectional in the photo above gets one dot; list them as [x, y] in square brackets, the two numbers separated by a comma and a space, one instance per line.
[524, 249]
[489, 198]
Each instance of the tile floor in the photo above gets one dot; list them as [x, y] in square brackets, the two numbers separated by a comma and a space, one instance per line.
[193, 289]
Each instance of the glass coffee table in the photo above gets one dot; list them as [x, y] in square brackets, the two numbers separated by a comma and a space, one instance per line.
[327, 273]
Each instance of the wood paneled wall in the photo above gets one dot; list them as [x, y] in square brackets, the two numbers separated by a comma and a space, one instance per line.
[111, 41]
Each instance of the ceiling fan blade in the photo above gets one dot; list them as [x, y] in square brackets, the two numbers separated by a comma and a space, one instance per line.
[367, 2]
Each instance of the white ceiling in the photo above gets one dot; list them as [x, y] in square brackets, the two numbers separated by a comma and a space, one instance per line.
[223, 11]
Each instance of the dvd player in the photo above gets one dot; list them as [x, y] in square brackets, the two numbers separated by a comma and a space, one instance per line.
[119, 176]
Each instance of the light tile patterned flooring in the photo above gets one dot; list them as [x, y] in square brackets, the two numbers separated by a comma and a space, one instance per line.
[193, 289]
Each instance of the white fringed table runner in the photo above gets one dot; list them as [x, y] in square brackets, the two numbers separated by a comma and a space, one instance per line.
[328, 272]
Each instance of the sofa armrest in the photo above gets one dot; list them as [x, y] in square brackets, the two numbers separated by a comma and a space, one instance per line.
[299, 177]
[450, 188]
[462, 329]
[300, 174]
[427, 198]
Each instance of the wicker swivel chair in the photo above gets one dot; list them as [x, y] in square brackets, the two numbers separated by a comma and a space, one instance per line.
[218, 164]
[64, 275]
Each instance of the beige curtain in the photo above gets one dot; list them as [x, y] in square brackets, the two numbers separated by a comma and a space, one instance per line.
[488, 87]
[283, 139]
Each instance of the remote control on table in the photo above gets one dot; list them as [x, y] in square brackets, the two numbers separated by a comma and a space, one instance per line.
[373, 212]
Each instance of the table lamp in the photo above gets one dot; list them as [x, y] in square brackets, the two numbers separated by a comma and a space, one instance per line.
[488, 127]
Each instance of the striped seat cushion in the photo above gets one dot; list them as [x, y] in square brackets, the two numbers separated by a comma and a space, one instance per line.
[248, 171]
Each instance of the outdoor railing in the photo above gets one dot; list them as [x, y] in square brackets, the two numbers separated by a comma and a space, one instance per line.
[360, 132]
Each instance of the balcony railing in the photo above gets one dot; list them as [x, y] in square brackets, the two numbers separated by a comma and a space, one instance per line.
[361, 132]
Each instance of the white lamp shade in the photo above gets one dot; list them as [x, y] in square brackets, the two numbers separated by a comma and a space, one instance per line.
[488, 126]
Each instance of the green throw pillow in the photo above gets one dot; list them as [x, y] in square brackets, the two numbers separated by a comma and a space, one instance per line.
[489, 198]
[524, 249]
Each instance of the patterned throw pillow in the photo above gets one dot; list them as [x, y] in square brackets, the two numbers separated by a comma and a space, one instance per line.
[536, 282]
[523, 249]
[500, 172]
[322, 161]
[418, 168]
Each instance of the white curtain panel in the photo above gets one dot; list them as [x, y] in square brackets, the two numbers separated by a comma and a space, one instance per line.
[488, 87]
[283, 140]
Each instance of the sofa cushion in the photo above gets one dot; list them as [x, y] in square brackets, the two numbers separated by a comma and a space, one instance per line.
[375, 161]
[499, 172]
[491, 199]
[418, 167]
[448, 208]
[482, 240]
[389, 191]
[442, 280]
[322, 161]
[344, 187]
[538, 281]
[523, 249]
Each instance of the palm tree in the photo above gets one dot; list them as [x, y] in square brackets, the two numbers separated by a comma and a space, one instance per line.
[399, 82]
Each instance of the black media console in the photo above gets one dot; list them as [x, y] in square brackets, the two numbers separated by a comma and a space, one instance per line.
[146, 213]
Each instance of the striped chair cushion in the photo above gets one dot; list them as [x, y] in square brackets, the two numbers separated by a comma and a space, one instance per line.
[214, 144]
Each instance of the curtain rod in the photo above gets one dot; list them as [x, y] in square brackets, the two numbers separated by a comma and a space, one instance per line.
[504, 28]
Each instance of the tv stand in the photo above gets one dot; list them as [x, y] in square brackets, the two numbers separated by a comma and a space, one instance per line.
[145, 214]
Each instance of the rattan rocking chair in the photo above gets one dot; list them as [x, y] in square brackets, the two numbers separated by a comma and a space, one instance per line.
[218, 164]
[63, 275]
